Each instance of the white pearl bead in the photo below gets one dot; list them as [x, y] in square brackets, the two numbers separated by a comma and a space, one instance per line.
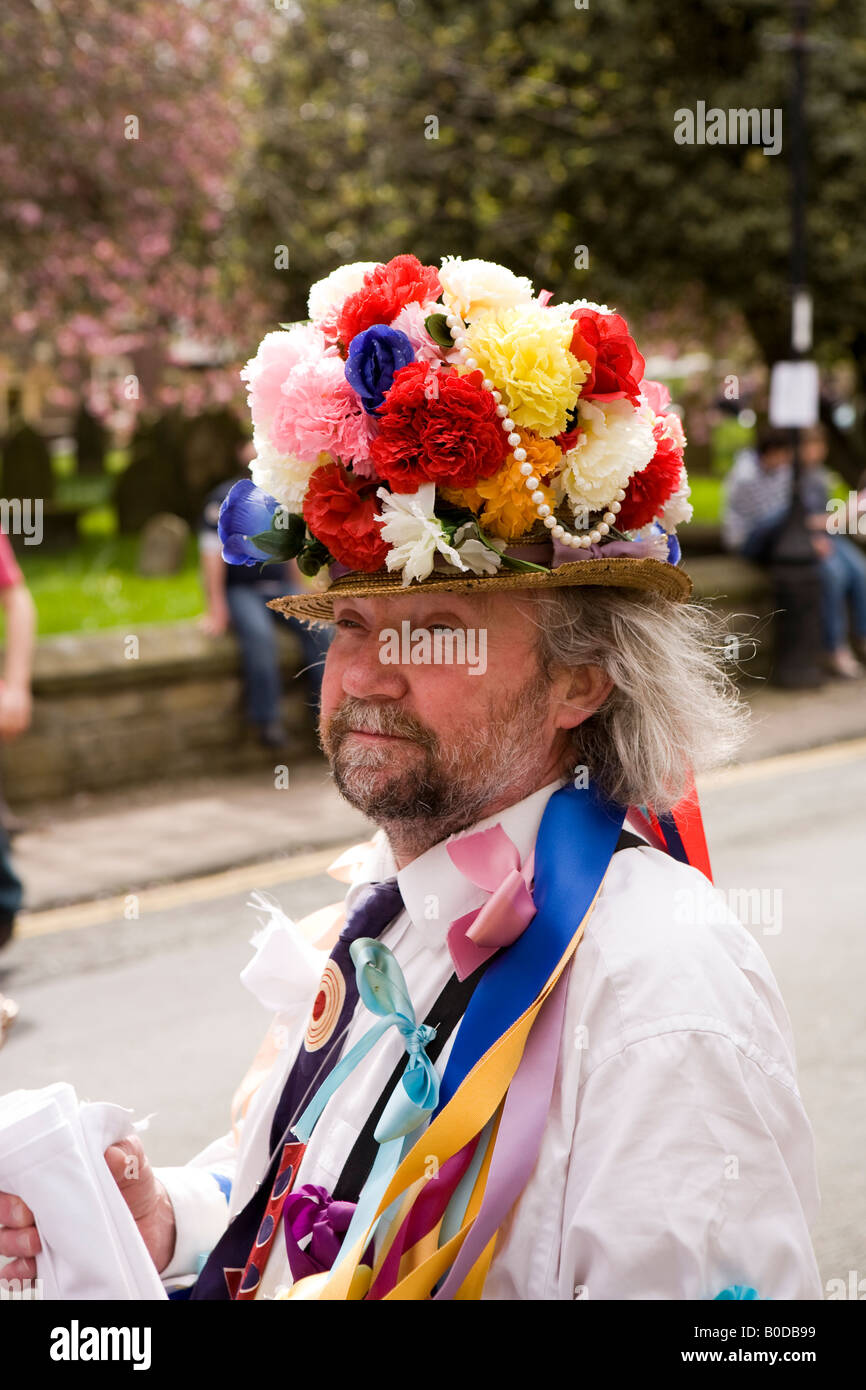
[497, 395]
[508, 423]
[520, 455]
[532, 482]
[557, 532]
[502, 411]
[487, 384]
[620, 496]
[543, 510]
[616, 508]
[525, 468]
[603, 527]
[609, 518]
[452, 320]
[513, 438]
[538, 497]
[550, 523]
[595, 537]
[575, 542]
[585, 542]
[471, 362]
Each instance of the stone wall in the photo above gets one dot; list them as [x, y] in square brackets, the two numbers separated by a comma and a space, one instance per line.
[105, 718]
[108, 715]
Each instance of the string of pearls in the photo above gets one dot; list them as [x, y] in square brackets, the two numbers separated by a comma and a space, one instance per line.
[531, 482]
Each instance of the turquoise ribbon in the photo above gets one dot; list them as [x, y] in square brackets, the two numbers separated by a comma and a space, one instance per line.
[382, 989]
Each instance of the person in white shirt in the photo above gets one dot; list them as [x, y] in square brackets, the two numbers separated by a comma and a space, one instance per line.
[677, 1159]
[671, 1157]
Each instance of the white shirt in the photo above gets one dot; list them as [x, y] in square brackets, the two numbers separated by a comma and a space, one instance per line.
[677, 1159]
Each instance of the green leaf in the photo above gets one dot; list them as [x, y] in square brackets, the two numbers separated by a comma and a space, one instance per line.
[439, 331]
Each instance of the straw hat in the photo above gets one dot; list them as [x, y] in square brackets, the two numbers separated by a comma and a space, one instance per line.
[451, 429]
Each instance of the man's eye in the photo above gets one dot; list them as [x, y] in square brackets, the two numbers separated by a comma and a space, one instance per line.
[346, 622]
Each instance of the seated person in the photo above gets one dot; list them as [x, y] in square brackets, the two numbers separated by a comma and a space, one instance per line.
[757, 501]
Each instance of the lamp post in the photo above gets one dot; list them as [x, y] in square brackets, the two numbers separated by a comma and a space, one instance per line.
[794, 565]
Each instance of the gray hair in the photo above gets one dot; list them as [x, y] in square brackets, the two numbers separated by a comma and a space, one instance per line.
[673, 710]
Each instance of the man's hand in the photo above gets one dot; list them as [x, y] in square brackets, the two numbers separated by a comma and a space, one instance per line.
[215, 622]
[146, 1198]
[15, 710]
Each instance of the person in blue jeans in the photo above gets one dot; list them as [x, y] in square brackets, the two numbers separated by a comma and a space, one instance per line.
[757, 499]
[236, 597]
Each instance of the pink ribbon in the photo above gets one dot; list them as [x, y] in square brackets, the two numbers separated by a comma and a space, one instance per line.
[489, 858]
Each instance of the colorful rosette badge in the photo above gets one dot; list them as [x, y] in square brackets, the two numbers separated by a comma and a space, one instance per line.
[453, 420]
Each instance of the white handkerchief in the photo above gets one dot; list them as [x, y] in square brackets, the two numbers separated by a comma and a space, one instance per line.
[51, 1155]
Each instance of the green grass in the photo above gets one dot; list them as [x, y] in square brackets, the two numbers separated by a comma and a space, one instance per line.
[706, 498]
[97, 585]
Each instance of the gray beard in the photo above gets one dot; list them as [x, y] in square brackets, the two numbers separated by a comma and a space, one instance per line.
[447, 788]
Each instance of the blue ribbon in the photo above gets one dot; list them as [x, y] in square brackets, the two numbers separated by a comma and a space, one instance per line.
[576, 838]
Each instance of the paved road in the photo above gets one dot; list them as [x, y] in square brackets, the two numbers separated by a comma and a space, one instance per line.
[150, 1013]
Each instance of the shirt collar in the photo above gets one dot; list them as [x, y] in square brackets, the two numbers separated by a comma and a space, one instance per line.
[433, 888]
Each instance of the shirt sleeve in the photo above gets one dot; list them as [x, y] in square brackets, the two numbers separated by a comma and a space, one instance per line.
[199, 1193]
[692, 1170]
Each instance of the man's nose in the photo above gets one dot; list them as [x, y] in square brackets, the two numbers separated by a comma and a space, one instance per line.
[366, 676]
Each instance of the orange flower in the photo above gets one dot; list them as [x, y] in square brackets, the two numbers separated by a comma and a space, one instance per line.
[508, 509]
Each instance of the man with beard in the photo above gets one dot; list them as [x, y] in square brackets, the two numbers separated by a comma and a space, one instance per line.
[532, 1055]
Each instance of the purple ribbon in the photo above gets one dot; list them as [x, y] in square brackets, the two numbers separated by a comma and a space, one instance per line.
[310, 1212]
[552, 554]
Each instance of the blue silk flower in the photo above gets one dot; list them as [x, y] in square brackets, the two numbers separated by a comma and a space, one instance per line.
[374, 357]
[246, 511]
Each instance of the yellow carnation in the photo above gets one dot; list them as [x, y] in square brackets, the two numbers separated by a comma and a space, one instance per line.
[509, 511]
[524, 350]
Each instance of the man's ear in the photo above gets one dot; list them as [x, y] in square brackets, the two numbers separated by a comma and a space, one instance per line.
[585, 689]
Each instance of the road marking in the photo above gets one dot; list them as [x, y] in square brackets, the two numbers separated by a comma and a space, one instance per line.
[248, 877]
[828, 755]
[167, 895]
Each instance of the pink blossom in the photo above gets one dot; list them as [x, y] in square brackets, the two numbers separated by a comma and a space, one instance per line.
[321, 412]
[265, 373]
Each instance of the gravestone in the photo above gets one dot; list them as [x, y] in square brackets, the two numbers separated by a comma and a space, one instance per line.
[27, 468]
[211, 444]
[89, 443]
[162, 548]
[153, 482]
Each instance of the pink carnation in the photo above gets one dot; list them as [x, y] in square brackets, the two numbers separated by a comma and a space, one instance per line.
[319, 411]
[410, 321]
[265, 373]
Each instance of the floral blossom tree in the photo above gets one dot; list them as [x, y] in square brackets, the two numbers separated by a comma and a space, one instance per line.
[124, 131]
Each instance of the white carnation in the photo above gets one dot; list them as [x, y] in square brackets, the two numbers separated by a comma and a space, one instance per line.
[331, 292]
[616, 442]
[471, 286]
[414, 533]
[283, 476]
[477, 556]
[678, 509]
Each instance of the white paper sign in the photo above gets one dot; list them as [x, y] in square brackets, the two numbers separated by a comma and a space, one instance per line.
[794, 395]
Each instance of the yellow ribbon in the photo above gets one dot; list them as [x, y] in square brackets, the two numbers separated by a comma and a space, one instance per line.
[467, 1112]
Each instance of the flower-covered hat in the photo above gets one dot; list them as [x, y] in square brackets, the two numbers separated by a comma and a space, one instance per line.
[451, 428]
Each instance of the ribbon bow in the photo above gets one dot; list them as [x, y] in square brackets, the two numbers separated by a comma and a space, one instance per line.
[382, 989]
[310, 1211]
[491, 860]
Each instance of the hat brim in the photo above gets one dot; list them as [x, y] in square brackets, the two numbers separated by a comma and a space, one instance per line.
[620, 572]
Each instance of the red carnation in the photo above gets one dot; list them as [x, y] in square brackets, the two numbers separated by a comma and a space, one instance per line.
[648, 490]
[437, 427]
[344, 520]
[616, 366]
[386, 290]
